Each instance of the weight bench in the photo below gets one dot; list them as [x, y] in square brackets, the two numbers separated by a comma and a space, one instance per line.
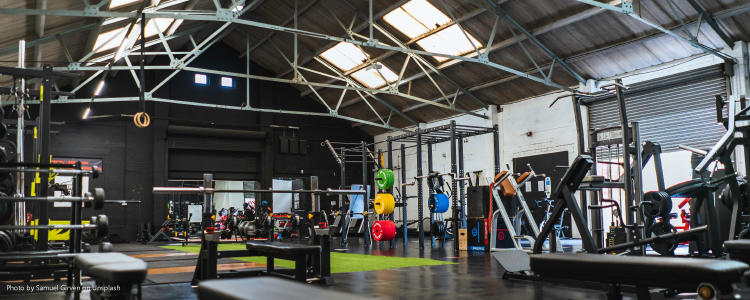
[294, 252]
[115, 274]
[265, 288]
[711, 278]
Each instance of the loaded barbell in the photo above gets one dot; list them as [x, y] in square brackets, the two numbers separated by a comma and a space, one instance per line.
[99, 226]
[95, 200]
[94, 172]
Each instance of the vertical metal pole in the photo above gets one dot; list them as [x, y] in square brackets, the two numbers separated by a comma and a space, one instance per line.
[208, 202]
[343, 176]
[45, 110]
[390, 191]
[20, 211]
[420, 194]
[247, 82]
[454, 186]
[581, 149]
[638, 183]
[429, 170]
[496, 145]
[366, 197]
[295, 41]
[597, 223]
[142, 95]
[75, 235]
[462, 186]
[405, 198]
[371, 21]
[629, 214]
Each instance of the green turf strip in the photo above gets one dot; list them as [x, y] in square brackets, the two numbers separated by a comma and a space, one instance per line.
[340, 262]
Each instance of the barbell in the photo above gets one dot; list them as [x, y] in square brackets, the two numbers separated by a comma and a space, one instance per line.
[203, 190]
[99, 226]
[94, 172]
[95, 200]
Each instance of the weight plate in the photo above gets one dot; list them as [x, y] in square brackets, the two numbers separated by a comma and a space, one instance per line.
[6, 245]
[384, 204]
[384, 179]
[726, 195]
[383, 231]
[8, 150]
[437, 228]
[667, 246]
[656, 204]
[438, 203]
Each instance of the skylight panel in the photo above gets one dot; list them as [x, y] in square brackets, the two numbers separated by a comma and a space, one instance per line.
[163, 24]
[345, 56]
[449, 41]
[118, 3]
[416, 17]
[371, 78]
[104, 37]
[425, 13]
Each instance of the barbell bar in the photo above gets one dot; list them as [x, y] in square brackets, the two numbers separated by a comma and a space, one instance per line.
[99, 226]
[202, 190]
[95, 200]
[94, 172]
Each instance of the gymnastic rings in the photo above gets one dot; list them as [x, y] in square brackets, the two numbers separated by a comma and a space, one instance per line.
[141, 119]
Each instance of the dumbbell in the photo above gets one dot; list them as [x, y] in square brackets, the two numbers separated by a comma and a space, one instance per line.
[99, 226]
[95, 200]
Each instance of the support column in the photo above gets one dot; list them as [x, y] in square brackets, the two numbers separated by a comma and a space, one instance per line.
[390, 191]
[454, 187]
[404, 196]
[420, 193]
[740, 86]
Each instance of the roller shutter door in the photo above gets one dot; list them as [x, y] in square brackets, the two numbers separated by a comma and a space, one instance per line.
[674, 110]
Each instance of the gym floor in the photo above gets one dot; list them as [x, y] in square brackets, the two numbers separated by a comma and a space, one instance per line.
[475, 276]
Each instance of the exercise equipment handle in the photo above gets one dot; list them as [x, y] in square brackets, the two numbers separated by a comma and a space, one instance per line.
[694, 150]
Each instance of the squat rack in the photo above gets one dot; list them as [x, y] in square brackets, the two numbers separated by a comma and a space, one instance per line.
[452, 133]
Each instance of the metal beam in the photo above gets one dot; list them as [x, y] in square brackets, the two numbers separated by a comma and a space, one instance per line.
[284, 24]
[711, 22]
[695, 44]
[504, 44]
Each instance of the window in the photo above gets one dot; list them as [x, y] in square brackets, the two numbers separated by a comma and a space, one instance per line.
[371, 78]
[227, 81]
[238, 8]
[162, 23]
[448, 41]
[201, 79]
[118, 3]
[418, 17]
[345, 56]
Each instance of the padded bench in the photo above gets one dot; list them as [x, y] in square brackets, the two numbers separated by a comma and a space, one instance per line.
[681, 274]
[265, 288]
[294, 252]
[113, 269]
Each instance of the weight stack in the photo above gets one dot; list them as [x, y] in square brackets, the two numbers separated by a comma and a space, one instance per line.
[478, 201]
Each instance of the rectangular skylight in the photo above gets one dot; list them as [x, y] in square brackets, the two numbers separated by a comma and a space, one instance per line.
[371, 78]
[118, 3]
[162, 23]
[201, 79]
[449, 41]
[416, 17]
[345, 56]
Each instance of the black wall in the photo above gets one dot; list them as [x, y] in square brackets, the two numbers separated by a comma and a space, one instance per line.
[135, 159]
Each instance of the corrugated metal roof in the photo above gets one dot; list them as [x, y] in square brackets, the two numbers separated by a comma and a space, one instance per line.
[596, 45]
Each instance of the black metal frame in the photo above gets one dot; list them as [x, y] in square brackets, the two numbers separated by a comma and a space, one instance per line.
[452, 133]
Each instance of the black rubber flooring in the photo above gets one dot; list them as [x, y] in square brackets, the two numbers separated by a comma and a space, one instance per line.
[476, 276]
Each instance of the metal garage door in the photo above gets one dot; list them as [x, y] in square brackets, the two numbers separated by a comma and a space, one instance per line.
[674, 110]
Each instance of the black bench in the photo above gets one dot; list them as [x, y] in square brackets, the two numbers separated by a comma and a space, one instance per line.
[643, 272]
[265, 288]
[113, 270]
[294, 252]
